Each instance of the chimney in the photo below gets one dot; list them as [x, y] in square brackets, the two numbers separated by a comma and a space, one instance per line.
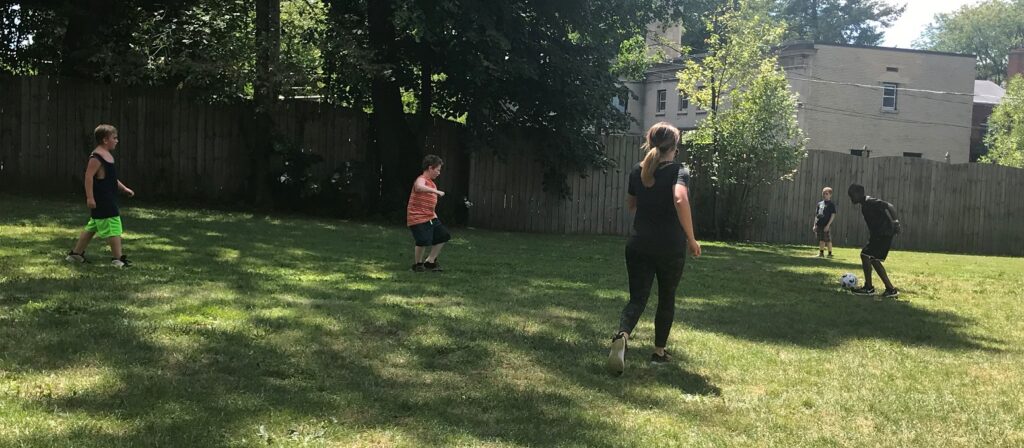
[1016, 64]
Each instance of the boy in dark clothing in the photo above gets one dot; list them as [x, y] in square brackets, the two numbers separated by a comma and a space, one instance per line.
[825, 213]
[880, 217]
[101, 189]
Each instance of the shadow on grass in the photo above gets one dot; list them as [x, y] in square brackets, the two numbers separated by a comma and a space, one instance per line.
[218, 333]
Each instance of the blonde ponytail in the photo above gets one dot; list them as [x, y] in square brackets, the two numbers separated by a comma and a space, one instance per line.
[661, 138]
[648, 165]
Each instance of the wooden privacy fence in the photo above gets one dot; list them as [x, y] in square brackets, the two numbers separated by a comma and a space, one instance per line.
[507, 194]
[172, 145]
[963, 208]
[969, 208]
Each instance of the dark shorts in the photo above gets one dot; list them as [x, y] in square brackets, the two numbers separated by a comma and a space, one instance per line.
[430, 233]
[824, 235]
[877, 247]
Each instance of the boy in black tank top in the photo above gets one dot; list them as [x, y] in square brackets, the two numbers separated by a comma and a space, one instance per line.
[101, 188]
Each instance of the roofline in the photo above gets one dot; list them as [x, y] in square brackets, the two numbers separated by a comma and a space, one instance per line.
[807, 45]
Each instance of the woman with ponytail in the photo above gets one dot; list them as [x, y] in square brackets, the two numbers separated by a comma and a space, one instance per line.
[662, 233]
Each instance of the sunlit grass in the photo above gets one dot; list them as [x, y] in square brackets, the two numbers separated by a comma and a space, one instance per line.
[238, 329]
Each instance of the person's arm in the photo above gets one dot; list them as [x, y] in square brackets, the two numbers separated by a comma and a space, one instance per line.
[421, 187]
[631, 203]
[91, 169]
[830, 219]
[890, 211]
[682, 204]
[125, 189]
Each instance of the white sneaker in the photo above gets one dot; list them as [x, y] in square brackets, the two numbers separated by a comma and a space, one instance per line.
[617, 355]
[120, 262]
[75, 258]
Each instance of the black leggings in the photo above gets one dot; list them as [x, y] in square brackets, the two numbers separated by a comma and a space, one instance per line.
[642, 269]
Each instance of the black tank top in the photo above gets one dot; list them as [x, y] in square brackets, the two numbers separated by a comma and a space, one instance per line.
[105, 191]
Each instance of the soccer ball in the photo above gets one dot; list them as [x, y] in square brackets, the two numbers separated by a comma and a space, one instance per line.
[848, 280]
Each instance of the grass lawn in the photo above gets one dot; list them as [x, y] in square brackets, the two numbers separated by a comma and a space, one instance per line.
[235, 329]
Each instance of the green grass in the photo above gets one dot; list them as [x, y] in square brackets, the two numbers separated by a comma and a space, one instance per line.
[236, 329]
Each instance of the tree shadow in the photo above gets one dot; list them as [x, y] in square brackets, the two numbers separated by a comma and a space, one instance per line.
[236, 322]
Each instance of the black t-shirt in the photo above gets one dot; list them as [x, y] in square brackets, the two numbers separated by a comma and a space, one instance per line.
[104, 191]
[877, 220]
[656, 227]
[824, 212]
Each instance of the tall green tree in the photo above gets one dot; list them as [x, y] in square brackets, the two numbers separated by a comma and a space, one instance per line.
[540, 70]
[989, 29]
[1005, 137]
[750, 137]
[859, 22]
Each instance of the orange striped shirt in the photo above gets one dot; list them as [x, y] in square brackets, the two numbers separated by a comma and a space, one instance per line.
[421, 204]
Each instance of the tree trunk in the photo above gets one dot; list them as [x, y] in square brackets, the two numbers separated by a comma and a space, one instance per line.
[86, 21]
[397, 148]
[268, 51]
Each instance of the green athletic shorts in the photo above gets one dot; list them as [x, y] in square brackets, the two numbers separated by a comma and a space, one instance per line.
[105, 227]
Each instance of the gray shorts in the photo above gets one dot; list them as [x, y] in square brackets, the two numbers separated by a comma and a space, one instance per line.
[824, 235]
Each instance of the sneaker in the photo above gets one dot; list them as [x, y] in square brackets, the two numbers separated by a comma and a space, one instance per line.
[418, 267]
[891, 293]
[830, 254]
[821, 255]
[75, 258]
[864, 290]
[617, 355]
[120, 262]
[660, 359]
[434, 267]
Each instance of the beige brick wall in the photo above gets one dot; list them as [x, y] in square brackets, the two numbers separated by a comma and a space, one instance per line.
[837, 116]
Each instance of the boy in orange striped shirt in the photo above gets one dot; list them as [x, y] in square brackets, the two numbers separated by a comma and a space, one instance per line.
[421, 218]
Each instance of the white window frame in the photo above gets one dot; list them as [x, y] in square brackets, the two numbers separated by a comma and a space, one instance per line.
[895, 88]
[660, 102]
[684, 104]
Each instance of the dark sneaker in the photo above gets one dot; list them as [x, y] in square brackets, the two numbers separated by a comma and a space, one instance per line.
[891, 293]
[821, 255]
[418, 267]
[657, 359]
[617, 355]
[120, 262]
[75, 258]
[434, 267]
[830, 254]
[864, 291]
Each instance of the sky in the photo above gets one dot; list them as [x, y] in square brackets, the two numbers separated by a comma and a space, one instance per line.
[918, 15]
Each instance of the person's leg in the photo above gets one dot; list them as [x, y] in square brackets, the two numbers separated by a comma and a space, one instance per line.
[641, 274]
[83, 241]
[440, 237]
[115, 246]
[435, 250]
[866, 264]
[829, 246]
[821, 247]
[882, 275]
[669, 272]
[418, 254]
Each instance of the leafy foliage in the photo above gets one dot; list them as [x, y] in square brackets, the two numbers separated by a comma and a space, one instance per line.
[989, 30]
[1005, 137]
[750, 137]
[860, 22]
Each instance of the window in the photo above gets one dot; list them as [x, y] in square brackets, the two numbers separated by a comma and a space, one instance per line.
[912, 154]
[661, 101]
[699, 110]
[684, 103]
[892, 69]
[889, 91]
[621, 102]
[857, 152]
